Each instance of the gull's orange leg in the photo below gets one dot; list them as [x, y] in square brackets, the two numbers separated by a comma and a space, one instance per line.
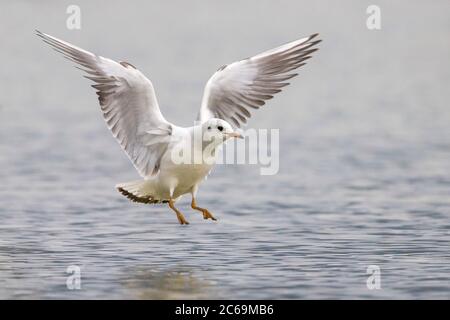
[180, 216]
[206, 213]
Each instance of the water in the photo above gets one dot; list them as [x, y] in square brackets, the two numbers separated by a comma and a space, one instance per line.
[364, 172]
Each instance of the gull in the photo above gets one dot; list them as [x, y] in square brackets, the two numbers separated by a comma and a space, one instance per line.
[131, 111]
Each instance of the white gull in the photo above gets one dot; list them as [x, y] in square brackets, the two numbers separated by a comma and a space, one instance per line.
[131, 111]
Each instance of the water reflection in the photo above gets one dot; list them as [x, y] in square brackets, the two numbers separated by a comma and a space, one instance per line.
[176, 283]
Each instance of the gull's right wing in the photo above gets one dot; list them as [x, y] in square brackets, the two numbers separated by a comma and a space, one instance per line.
[128, 102]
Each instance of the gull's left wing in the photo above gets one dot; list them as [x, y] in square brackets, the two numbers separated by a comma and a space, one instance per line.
[247, 84]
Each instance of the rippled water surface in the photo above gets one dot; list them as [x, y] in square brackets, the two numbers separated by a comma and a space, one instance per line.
[364, 173]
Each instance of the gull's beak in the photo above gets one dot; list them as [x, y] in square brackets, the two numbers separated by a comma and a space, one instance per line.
[234, 135]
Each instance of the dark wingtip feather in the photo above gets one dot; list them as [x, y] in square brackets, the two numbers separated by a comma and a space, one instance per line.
[132, 197]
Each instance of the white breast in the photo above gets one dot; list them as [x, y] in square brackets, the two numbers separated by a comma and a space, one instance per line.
[182, 173]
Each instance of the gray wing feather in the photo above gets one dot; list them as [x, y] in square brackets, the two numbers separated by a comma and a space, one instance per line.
[237, 88]
[128, 103]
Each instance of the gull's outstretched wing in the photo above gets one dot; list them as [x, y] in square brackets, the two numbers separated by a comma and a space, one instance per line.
[128, 102]
[248, 83]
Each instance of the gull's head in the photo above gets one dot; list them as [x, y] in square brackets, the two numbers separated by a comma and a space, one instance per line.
[219, 129]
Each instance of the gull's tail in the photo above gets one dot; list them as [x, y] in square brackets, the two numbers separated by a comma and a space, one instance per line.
[139, 191]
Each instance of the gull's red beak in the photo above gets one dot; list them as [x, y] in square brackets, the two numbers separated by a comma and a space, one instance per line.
[235, 135]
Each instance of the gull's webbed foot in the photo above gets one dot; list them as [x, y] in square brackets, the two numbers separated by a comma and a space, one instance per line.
[206, 213]
[180, 216]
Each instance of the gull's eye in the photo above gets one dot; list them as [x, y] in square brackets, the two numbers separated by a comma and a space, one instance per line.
[220, 128]
[209, 128]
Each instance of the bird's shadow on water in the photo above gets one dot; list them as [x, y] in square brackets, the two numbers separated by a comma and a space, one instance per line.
[178, 282]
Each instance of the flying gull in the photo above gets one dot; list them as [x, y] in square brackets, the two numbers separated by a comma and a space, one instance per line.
[131, 111]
